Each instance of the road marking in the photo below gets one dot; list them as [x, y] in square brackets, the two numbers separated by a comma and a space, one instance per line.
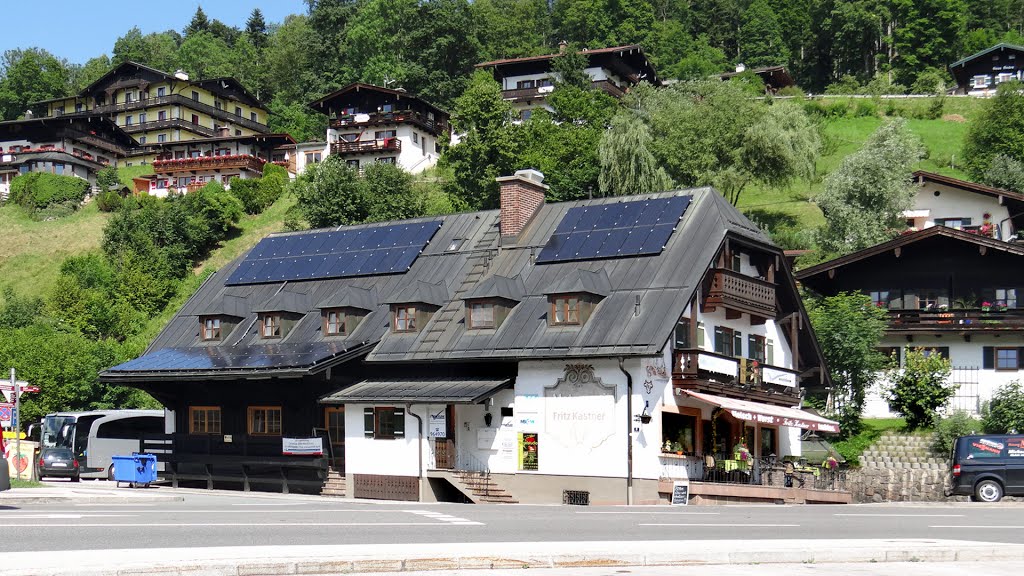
[218, 511]
[115, 505]
[445, 517]
[245, 524]
[905, 515]
[1001, 527]
[67, 516]
[707, 525]
[647, 513]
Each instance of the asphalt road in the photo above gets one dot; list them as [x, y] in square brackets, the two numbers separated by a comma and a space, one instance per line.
[228, 519]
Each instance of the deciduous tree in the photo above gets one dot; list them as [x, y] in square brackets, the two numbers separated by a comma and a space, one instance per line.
[918, 389]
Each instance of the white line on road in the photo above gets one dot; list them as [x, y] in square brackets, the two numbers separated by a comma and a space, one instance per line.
[707, 525]
[905, 515]
[1001, 527]
[67, 516]
[247, 524]
[649, 512]
[220, 511]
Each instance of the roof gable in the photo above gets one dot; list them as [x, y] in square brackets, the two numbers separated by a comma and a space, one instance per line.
[322, 103]
[1001, 45]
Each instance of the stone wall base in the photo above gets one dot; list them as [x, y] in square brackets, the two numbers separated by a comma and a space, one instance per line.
[897, 485]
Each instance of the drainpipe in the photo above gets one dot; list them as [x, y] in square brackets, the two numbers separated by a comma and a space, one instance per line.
[419, 449]
[629, 434]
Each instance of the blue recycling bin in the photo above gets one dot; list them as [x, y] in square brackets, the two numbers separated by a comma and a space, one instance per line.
[137, 469]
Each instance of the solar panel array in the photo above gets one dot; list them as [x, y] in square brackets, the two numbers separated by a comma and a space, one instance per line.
[230, 358]
[615, 230]
[370, 251]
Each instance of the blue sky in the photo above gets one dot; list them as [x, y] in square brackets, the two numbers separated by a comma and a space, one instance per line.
[77, 30]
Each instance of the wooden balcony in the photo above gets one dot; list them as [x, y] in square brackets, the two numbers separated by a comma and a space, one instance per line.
[169, 124]
[215, 163]
[367, 146]
[435, 125]
[703, 371]
[956, 320]
[609, 88]
[526, 93]
[741, 293]
[179, 100]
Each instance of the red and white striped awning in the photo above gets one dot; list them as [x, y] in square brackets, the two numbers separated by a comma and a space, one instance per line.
[767, 413]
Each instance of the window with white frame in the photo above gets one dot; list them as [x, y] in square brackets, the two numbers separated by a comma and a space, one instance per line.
[980, 81]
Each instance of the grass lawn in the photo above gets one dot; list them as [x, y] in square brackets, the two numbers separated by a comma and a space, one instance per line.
[32, 251]
[15, 483]
[872, 429]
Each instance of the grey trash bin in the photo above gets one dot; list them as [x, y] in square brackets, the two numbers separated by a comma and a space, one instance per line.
[5, 476]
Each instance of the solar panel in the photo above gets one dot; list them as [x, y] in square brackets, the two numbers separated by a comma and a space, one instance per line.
[615, 230]
[217, 358]
[386, 249]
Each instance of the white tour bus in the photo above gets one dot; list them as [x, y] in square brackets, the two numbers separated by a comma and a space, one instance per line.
[96, 436]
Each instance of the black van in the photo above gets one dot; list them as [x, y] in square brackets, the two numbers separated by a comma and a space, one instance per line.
[988, 466]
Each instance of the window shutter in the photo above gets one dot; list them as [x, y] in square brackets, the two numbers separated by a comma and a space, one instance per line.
[368, 422]
[399, 423]
[988, 358]
[1020, 358]
[751, 345]
[769, 354]
[737, 344]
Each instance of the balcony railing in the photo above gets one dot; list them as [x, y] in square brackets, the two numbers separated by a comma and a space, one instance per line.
[742, 293]
[957, 319]
[170, 123]
[526, 93]
[718, 373]
[435, 125]
[241, 161]
[364, 146]
[609, 87]
[178, 99]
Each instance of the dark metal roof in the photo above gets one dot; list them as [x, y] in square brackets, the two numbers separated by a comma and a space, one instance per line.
[226, 305]
[286, 301]
[422, 391]
[420, 292]
[481, 265]
[496, 286]
[320, 103]
[986, 51]
[351, 297]
[582, 281]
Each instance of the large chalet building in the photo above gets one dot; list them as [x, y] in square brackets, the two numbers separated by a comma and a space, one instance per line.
[369, 124]
[981, 73]
[68, 146]
[526, 82]
[597, 350]
[950, 284]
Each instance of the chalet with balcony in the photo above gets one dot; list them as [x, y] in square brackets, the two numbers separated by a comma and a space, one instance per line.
[968, 206]
[157, 107]
[374, 124]
[980, 74]
[600, 348]
[526, 82]
[775, 78]
[72, 146]
[190, 165]
[948, 291]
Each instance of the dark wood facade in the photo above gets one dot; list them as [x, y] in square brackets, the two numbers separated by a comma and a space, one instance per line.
[987, 69]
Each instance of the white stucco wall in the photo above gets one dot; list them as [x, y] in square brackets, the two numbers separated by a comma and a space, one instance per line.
[395, 457]
[961, 355]
[955, 203]
[782, 356]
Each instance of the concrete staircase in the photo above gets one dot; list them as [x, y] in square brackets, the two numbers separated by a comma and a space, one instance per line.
[480, 488]
[334, 485]
[904, 451]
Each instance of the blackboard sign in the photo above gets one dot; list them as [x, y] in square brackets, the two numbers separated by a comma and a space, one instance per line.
[680, 493]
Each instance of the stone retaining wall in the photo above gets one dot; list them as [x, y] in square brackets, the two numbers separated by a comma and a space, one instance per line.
[897, 485]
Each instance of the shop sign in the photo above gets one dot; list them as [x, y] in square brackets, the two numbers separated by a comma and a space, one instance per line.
[302, 446]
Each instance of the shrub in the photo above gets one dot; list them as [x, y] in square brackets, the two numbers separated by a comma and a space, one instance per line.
[109, 201]
[1006, 409]
[107, 178]
[865, 108]
[935, 109]
[247, 191]
[845, 85]
[951, 427]
[920, 388]
[793, 91]
[837, 109]
[38, 190]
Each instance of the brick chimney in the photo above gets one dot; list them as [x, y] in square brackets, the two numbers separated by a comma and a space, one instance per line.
[522, 195]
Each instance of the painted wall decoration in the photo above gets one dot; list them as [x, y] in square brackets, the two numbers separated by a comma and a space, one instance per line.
[579, 409]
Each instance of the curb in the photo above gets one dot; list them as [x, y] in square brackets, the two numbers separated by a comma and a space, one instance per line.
[79, 499]
[361, 559]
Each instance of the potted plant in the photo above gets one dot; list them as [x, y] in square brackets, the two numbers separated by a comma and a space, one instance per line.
[986, 306]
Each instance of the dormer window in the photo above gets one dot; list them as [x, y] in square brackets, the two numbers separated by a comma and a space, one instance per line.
[211, 329]
[334, 323]
[404, 318]
[270, 326]
[565, 310]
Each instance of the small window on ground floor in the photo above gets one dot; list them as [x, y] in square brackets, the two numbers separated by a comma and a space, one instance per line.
[384, 423]
[265, 420]
[678, 433]
[204, 420]
[1007, 358]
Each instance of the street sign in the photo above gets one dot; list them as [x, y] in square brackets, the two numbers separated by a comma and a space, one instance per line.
[22, 385]
[6, 412]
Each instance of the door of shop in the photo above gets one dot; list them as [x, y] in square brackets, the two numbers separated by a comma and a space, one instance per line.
[334, 421]
[442, 429]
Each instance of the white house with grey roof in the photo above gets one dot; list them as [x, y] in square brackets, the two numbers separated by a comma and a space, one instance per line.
[596, 350]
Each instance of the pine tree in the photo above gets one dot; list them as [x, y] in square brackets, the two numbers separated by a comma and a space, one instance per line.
[199, 23]
[761, 42]
[256, 29]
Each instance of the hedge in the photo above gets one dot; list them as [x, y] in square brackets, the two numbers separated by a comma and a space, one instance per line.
[40, 189]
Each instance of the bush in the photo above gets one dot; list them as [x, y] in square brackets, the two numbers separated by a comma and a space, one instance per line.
[248, 192]
[107, 178]
[109, 201]
[837, 109]
[793, 91]
[37, 190]
[865, 108]
[1006, 410]
[845, 85]
[935, 109]
[950, 428]
[920, 388]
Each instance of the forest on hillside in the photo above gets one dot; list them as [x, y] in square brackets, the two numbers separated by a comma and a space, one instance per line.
[429, 47]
